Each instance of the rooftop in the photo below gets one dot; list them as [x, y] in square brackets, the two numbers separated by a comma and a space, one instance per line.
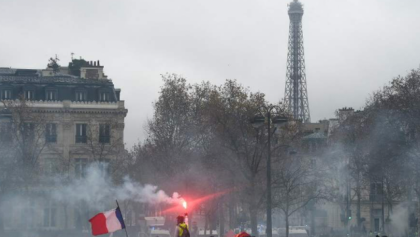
[315, 135]
[57, 79]
[79, 71]
[80, 81]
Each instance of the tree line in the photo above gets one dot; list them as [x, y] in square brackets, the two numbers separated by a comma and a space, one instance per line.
[380, 147]
[201, 141]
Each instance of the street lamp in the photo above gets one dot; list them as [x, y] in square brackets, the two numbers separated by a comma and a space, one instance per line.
[259, 121]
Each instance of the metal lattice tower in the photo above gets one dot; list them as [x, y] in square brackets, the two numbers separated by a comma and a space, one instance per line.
[296, 93]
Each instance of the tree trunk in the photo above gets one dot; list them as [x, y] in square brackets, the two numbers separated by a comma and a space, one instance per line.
[301, 216]
[253, 211]
[383, 207]
[221, 219]
[206, 223]
[313, 222]
[286, 215]
[190, 219]
[358, 214]
[1, 224]
[66, 217]
[232, 221]
[254, 224]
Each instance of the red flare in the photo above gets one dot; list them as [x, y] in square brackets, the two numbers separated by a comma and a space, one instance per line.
[198, 201]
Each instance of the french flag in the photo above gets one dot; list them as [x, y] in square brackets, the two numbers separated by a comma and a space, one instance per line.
[107, 222]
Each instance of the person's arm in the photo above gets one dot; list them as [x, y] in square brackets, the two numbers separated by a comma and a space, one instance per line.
[176, 233]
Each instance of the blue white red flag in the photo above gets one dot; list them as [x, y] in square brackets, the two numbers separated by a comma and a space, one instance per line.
[107, 222]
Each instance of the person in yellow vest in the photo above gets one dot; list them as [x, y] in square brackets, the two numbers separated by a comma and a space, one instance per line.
[181, 229]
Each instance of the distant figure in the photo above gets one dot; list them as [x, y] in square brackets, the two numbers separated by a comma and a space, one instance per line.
[181, 229]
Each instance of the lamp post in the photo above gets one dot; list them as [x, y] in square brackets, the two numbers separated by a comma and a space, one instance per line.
[258, 122]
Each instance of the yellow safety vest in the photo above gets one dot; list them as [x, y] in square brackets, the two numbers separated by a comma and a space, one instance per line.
[182, 226]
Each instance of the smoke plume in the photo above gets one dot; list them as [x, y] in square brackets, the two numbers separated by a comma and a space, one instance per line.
[96, 188]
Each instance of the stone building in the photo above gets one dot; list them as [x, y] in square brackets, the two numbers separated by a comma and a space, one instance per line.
[339, 215]
[77, 116]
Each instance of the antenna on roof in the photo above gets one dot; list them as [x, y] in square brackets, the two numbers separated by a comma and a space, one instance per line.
[72, 54]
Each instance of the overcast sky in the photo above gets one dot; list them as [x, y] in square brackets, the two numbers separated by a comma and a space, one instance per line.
[352, 47]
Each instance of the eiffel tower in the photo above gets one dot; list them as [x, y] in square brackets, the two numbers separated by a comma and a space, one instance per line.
[296, 93]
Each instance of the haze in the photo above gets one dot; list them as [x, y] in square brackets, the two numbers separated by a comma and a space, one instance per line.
[352, 47]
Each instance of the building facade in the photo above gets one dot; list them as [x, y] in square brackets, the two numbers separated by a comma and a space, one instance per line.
[65, 119]
[338, 215]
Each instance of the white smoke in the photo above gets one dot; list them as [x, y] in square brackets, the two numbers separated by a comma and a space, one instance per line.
[399, 219]
[96, 188]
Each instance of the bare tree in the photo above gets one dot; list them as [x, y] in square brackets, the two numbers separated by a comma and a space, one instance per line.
[296, 183]
[22, 141]
[351, 138]
[231, 109]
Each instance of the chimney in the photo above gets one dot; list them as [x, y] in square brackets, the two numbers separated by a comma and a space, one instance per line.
[99, 64]
[344, 113]
[118, 93]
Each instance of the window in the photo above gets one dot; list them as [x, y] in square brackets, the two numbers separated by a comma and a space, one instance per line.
[5, 132]
[29, 95]
[376, 191]
[50, 214]
[50, 166]
[6, 94]
[81, 133]
[51, 133]
[377, 212]
[81, 214]
[104, 133]
[103, 96]
[80, 167]
[104, 167]
[78, 218]
[313, 163]
[8, 213]
[81, 96]
[28, 130]
[27, 214]
[376, 188]
[376, 225]
[51, 95]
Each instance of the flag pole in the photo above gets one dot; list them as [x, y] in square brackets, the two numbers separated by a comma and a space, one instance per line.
[125, 227]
